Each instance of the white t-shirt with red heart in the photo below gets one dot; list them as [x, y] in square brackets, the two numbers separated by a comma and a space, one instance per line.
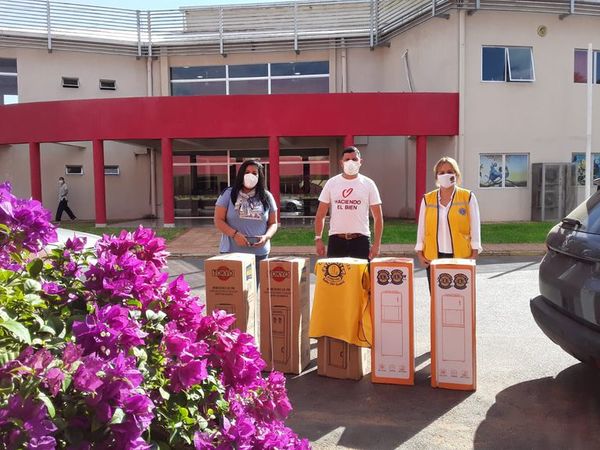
[349, 203]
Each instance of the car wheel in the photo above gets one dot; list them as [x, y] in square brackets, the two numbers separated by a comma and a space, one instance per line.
[290, 207]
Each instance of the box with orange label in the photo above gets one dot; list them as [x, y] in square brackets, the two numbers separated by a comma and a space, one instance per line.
[285, 313]
[393, 350]
[231, 286]
[453, 348]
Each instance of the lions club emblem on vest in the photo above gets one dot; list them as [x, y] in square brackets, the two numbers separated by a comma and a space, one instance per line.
[462, 211]
[334, 273]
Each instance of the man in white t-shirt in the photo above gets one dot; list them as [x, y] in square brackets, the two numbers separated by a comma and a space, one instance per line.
[349, 197]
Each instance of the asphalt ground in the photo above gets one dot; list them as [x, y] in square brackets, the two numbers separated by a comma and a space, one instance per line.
[530, 395]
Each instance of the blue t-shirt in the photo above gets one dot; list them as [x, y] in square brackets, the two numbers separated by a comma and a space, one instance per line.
[251, 221]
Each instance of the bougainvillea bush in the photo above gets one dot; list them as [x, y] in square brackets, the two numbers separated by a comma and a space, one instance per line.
[99, 350]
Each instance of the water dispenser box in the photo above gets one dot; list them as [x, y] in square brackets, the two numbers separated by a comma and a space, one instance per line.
[392, 300]
[339, 359]
[453, 346]
[285, 313]
[231, 286]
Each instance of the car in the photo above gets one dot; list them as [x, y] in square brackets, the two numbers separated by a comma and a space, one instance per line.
[568, 307]
[291, 204]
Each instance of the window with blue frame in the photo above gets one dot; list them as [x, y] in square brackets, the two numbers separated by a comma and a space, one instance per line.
[507, 64]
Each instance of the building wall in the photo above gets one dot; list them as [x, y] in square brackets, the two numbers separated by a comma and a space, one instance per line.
[545, 118]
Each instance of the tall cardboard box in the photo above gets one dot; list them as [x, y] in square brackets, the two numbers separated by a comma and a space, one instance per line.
[392, 300]
[453, 349]
[231, 286]
[341, 318]
[285, 313]
[338, 359]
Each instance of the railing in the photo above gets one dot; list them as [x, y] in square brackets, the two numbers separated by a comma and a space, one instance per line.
[299, 25]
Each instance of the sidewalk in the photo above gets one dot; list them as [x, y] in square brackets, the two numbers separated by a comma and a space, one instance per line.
[204, 242]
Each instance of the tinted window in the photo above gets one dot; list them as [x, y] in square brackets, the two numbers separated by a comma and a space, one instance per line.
[580, 67]
[493, 64]
[199, 88]
[248, 70]
[8, 65]
[588, 213]
[249, 87]
[300, 68]
[204, 72]
[520, 64]
[299, 85]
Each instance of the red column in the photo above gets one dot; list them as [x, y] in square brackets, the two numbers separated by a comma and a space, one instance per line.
[274, 171]
[167, 178]
[421, 173]
[99, 186]
[35, 171]
[348, 140]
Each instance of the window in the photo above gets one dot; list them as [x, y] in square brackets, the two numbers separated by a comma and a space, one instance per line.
[73, 170]
[267, 78]
[70, 82]
[507, 64]
[108, 85]
[111, 170]
[503, 170]
[580, 67]
[8, 81]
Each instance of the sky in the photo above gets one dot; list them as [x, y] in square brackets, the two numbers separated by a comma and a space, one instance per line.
[161, 4]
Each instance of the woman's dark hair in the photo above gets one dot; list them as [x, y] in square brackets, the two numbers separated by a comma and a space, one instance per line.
[261, 188]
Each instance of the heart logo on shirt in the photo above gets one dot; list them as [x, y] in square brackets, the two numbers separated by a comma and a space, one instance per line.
[347, 192]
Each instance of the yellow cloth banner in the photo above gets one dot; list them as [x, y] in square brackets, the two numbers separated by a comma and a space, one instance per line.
[341, 308]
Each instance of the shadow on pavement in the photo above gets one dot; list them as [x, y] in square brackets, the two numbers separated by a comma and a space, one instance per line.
[561, 412]
[371, 415]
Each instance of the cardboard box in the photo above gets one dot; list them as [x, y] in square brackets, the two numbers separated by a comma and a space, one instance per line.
[453, 349]
[392, 299]
[341, 301]
[338, 359]
[231, 286]
[285, 313]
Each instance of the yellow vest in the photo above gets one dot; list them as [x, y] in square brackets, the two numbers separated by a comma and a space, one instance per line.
[458, 221]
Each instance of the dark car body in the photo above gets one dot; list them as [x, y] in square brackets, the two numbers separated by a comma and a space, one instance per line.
[568, 309]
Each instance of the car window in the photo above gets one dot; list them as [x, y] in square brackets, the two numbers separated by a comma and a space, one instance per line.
[588, 214]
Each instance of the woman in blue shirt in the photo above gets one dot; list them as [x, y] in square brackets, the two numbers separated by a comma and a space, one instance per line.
[246, 213]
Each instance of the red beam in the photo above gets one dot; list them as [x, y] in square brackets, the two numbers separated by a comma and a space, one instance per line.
[421, 169]
[348, 140]
[241, 116]
[167, 177]
[35, 171]
[99, 185]
[274, 171]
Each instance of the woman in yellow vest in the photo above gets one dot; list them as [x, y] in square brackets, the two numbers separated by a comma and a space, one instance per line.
[449, 224]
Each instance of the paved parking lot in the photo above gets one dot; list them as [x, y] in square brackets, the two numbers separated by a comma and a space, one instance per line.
[530, 393]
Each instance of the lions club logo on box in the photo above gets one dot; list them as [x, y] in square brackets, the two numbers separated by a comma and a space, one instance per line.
[334, 273]
[223, 273]
[396, 276]
[279, 274]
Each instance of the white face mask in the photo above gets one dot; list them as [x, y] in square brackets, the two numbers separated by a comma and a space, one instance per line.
[351, 167]
[446, 180]
[250, 180]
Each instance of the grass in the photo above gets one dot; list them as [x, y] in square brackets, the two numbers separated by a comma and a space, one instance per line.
[395, 232]
[168, 233]
[405, 232]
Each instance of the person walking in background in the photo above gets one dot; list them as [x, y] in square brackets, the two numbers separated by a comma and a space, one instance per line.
[246, 213]
[63, 202]
[349, 197]
[449, 222]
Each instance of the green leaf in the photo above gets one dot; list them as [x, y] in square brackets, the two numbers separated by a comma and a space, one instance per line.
[118, 417]
[32, 286]
[163, 393]
[35, 267]
[44, 398]
[134, 302]
[17, 330]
